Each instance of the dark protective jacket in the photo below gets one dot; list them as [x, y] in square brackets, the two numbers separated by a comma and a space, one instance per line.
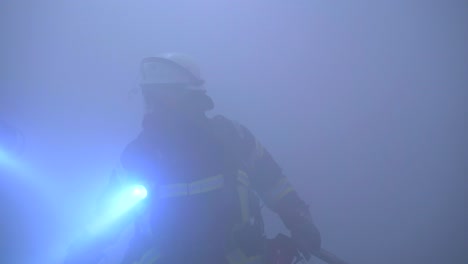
[207, 180]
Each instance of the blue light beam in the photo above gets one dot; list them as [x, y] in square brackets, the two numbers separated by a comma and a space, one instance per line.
[120, 205]
[8, 161]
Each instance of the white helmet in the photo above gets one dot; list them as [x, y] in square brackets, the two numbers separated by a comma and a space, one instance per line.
[171, 68]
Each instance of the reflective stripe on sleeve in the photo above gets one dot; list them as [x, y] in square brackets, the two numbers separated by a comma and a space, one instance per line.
[193, 188]
[281, 188]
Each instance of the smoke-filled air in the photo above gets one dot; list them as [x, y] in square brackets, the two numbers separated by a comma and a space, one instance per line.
[233, 132]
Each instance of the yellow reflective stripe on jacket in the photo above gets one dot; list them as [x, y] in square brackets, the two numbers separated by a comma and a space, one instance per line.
[193, 188]
[239, 257]
[243, 192]
[243, 178]
[281, 188]
[206, 185]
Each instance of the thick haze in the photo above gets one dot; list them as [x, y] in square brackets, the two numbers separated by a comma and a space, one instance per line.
[363, 104]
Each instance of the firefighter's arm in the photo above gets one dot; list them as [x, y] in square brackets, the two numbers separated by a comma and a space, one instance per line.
[99, 234]
[279, 195]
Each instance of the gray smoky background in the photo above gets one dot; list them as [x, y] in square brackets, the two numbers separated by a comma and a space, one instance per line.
[363, 104]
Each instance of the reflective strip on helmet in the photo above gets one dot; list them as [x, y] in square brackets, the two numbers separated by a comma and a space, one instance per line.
[281, 188]
[193, 188]
[238, 257]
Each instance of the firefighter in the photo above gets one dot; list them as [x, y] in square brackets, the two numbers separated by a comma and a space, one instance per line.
[207, 178]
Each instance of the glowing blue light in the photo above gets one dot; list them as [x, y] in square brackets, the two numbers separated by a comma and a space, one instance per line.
[120, 205]
[140, 191]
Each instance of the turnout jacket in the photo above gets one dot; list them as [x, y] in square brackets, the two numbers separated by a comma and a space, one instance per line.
[207, 180]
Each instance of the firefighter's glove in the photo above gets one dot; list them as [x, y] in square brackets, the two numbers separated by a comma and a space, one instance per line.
[306, 238]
